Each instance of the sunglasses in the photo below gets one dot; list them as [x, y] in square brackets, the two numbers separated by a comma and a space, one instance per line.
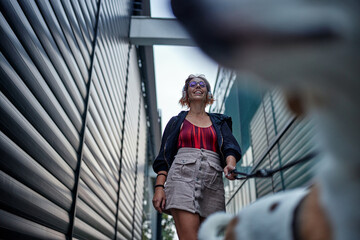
[194, 83]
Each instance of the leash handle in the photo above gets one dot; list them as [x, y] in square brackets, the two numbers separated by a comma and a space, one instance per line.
[265, 173]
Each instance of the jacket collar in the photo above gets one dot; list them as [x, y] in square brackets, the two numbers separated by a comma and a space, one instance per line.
[182, 115]
[216, 118]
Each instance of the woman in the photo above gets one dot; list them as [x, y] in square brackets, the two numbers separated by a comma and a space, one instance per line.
[196, 148]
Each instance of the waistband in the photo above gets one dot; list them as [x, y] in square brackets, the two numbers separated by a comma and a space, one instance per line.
[201, 151]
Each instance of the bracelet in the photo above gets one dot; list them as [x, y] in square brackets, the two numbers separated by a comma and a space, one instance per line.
[159, 185]
[162, 174]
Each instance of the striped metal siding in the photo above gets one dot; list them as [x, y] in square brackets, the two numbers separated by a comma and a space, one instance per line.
[263, 131]
[129, 157]
[139, 169]
[297, 143]
[260, 142]
[65, 64]
[268, 121]
[141, 164]
[271, 118]
[240, 193]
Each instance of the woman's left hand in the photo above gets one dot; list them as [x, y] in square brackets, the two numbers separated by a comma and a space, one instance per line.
[231, 165]
[228, 174]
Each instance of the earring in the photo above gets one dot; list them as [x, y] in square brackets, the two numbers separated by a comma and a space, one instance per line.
[209, 96]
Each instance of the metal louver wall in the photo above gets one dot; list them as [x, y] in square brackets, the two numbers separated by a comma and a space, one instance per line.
[271, 118]
[268, 122]
[72, 121]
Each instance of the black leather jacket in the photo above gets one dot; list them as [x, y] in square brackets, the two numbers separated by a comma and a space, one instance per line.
[227, 143]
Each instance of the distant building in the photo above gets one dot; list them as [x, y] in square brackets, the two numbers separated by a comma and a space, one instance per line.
[269, 135]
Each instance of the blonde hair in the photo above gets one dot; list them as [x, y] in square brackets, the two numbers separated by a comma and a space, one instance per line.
[184, 100]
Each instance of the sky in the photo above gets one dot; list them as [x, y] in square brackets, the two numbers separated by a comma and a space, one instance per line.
[173, 64]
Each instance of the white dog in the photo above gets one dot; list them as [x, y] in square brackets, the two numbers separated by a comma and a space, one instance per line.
[310, 48]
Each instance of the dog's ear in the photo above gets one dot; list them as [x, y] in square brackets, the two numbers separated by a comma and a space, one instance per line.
[313, 222]
[299, 102]
[230, 233]
[295, 102]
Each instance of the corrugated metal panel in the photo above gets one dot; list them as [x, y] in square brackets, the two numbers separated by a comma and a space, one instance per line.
[270, 119]
[258, 134]
[140, 159]
[281, 118]
[297, 142]
[129, 160]
[66, 75]
[267, 133]
[241, 193]
[19, 228]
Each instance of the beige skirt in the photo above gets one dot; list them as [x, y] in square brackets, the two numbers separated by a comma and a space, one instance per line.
[195, 183]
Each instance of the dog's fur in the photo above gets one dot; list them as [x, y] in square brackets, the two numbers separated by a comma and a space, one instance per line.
[311, 48]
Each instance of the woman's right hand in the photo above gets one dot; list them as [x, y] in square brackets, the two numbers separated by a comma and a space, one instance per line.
[159, 199]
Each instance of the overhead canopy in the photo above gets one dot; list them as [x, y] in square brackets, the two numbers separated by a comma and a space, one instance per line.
[147, 31]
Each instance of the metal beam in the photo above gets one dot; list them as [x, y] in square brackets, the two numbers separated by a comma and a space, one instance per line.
[147, 31]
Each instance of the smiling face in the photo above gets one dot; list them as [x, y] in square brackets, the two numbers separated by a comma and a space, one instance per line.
[197, 90]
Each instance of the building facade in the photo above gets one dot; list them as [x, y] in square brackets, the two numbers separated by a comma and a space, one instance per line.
[269, 135]
[74, 121]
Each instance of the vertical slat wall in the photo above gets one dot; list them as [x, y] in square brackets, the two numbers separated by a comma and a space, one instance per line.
[271, 117]
[281, 117]
[298, 141]
[140, 172]
[95, 210]
[69, 88]
[241, 192]
[134, 158]
[129, 154]
[259, 128]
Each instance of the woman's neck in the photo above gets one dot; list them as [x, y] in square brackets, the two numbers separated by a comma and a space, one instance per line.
[197, 110]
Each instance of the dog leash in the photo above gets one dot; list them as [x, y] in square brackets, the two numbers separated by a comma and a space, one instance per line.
[265, 173]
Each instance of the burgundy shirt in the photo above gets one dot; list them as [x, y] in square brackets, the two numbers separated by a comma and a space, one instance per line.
[197, 137]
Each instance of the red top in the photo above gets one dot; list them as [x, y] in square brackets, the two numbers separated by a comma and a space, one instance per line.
[197, 137]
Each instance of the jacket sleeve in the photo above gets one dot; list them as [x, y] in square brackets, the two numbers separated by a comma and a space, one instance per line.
[160, 163]
[230, 145]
